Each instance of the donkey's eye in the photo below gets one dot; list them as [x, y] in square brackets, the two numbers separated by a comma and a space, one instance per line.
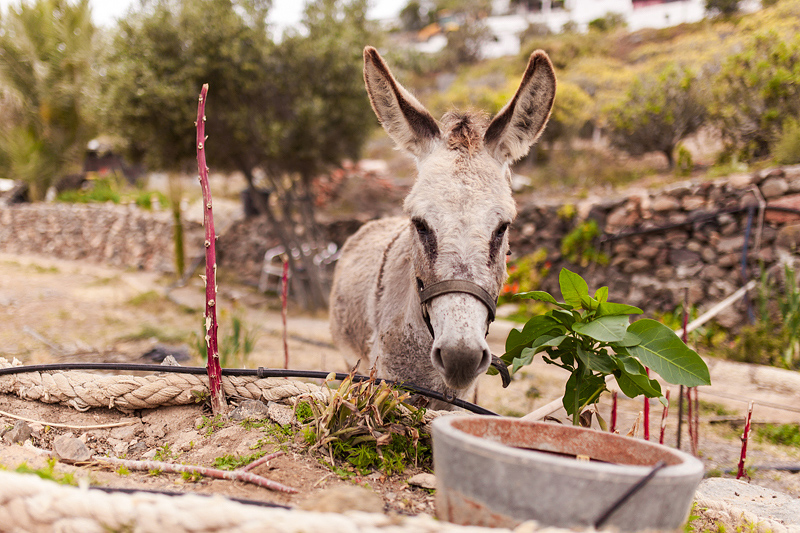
[501, 230]
[422, 228]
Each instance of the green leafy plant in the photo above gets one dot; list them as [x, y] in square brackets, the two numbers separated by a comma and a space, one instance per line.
[234, 348]
[783, 434]
[368, 425]
[592, 338]
[48, 472]
[577, 246]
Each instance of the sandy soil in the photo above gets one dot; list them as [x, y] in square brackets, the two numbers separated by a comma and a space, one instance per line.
[69, 311]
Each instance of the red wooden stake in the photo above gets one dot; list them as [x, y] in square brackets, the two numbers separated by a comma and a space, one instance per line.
[690, 420]
[284, 303]
[745, 436]
[647, 413]
[664, 415]
[218, 404]
[614, 412]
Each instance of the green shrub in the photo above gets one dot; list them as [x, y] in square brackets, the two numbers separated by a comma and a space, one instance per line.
[787, 148]
[784, 434]
[100, 191]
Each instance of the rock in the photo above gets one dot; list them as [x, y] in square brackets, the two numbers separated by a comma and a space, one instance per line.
[636, 265]
[767, 255]
[160, 352]
[342, 499]
[665, 203]
[424, 480]
[647, 252]
[71, 449]
[126, 433]
[710, 272]
[688, 271]
[694, 246]
[149, 454]
[708, 255]
[665, 273]
[157, 431]
[791, 173]
[623, 247]
[741, 181]
[789, 237]
[730, 229]
[19, 433]
[774, 187]
[692, 203]
[120, 447]
[730, 244]
[679, 257]
[250, 409]
[792, 202]
[280, 414]
[729, 260]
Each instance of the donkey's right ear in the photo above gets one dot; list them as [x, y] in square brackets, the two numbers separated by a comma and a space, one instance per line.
[406, 121]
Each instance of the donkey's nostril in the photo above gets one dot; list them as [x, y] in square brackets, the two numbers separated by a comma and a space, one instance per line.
[486, 361]
[436, 359]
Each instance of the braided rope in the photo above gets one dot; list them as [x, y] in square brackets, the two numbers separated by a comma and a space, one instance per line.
[84, 390]
[34, 505]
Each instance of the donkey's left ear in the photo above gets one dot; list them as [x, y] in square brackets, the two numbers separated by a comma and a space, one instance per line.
[519, 124]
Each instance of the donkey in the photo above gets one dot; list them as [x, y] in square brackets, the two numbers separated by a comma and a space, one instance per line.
[413, 296]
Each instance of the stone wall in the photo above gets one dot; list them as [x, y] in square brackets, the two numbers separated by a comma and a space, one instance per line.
[688, 235]
[117, 235]
[657, 243]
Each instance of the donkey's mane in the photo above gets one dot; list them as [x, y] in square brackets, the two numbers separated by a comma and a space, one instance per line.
[464, 130]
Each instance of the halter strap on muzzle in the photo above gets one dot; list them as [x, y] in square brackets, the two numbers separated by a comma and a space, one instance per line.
[426, 294]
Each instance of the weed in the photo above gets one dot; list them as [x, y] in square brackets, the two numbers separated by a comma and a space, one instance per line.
[715, 408]
[714, 472]
[123, 471]
[235, 348]
[164, 454]
[368, 425]
[784, 434]
[48, 472]
[578, 248]
[232, 462]
[191, 477]
[210, 425]
[151, 332]
[146, 298]
[303, 413]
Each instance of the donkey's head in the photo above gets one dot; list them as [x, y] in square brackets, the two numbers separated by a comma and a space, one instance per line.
[461, 205]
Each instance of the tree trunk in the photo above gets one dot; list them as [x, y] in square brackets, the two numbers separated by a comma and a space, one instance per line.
[670, 158]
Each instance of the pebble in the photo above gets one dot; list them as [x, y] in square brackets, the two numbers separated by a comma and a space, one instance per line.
[19, 433]
[71, 449]
[249, 409]
[424, 480]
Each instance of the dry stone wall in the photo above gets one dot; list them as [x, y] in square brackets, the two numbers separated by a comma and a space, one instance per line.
[117, 235]
[688, 235]
[657, 243]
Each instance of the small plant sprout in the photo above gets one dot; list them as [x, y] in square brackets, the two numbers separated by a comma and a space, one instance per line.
[592, 338]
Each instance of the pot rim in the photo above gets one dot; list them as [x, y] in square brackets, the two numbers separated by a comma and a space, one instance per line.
[688, 465]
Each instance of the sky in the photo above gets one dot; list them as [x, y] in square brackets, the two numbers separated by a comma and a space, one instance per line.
[284, 12]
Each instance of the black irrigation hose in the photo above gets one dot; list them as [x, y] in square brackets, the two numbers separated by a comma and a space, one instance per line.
[691, 221]
[112, 490]
[260, 372]
[625, 497]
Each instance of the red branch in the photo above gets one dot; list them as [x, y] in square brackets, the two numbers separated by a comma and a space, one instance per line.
[614, 412]
[690, 420]
[696, 433]
[172, 468]
[284, 304]
[745, 436]
[664, 415]
[218, 405]
[647, 413]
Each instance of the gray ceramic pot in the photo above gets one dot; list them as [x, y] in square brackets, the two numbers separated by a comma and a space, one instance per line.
[495, 471]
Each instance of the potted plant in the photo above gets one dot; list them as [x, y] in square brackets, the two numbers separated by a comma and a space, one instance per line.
[501, 471]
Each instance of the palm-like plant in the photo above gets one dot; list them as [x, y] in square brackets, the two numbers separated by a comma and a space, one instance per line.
[46, 52]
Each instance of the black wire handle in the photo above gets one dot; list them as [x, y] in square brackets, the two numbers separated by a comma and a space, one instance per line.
[625, 497]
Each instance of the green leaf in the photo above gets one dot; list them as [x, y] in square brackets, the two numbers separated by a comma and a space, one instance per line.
[533, 329]
[629, 365]
[589, 303]
[547, 341]
[610, 308]
[601, 294]
[604, 329]
[630, 339]
[543, 296]
[591, 386]
[525, 359]
[633, 385]
[597, 360]
[572, 287]
[565, 317]
[665, 353]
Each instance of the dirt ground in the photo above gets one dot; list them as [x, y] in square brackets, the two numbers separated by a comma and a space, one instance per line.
[62, 311]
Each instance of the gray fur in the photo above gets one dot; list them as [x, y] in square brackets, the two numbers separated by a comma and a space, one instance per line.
[463, 195]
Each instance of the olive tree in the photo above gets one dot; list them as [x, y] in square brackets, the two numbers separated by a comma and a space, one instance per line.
[46, 81]
[284, 111]
[657, 112]
[756, 91]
